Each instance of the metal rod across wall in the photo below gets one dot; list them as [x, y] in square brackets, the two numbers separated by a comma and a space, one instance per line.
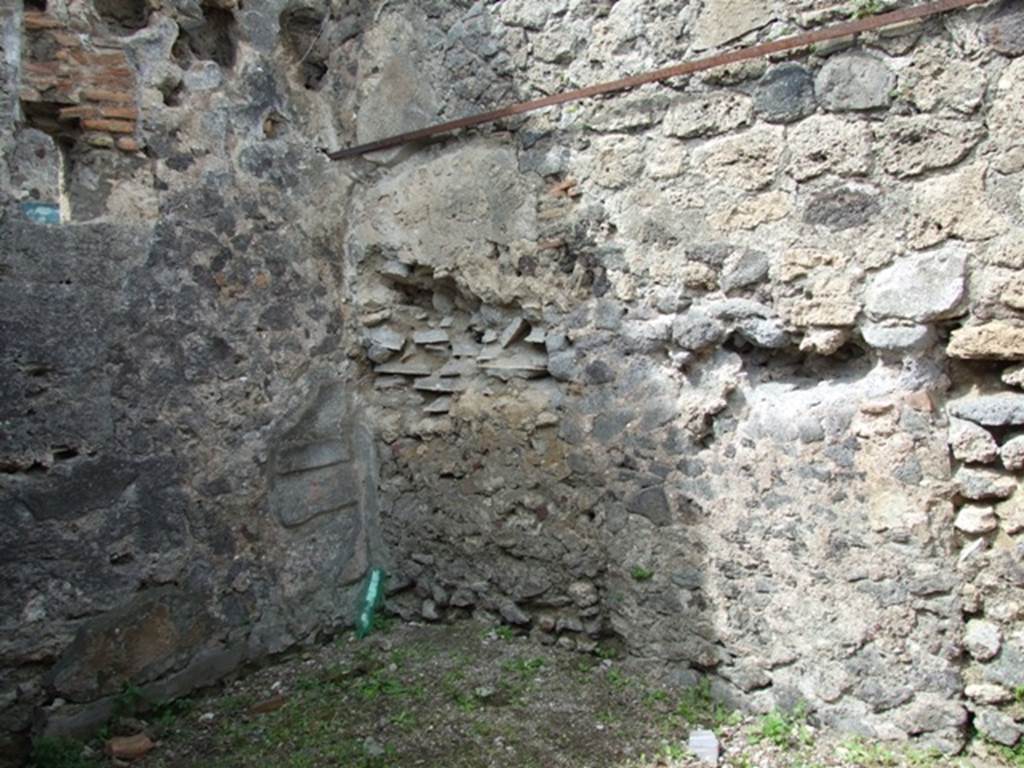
[832, 32]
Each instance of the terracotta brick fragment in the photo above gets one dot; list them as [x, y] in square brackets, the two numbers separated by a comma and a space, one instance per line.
[113, 59]
[66, 39]
[37, 20]
[110, 126]
[77, 113]
[129, 747]
[128, 144]
[103, 80]
[121, 113]
[40, 68]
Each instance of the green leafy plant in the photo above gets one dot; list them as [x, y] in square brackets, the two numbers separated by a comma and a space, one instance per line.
[867, 755]
[617, 680]
[524, 667]
[785, 730]
[60, 752]
[129, 702]
[1012, 756]
[672, 751]
[697, 705]
[639, 573]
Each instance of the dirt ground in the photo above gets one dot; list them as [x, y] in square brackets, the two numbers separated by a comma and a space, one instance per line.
[475, 696]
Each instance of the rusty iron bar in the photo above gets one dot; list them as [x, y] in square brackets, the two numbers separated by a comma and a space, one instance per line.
[843, 29]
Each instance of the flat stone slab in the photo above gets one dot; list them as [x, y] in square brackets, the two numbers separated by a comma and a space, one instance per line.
[995, 340]
[536, 336]
[704, 744]
[440, 405]
[490, 352]
[460, 367]
[523, 365]
[465, 349]
[514, 331]
[404, 369]
[433, 336]
[1001, 410]
[387, 338]
[437, 384]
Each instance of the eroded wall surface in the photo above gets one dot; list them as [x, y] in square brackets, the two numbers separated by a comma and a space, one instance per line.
[186, 480]
[724, 372]
[681, 368]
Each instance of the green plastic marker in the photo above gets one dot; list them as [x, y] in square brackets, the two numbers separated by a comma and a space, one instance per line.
[370, 601]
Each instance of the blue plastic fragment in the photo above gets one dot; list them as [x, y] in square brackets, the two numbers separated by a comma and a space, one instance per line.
[42, 213]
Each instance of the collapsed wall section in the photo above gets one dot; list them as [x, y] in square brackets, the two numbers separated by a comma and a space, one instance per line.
[670, 370]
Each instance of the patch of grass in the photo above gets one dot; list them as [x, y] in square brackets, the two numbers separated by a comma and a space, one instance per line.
[606, 652]
[868, 755]
[673, 751]
[380, 684]
[166, 715]
[697, 705]
[451, 685]
[639, 573]
[785, 730]
[523, 667]
[923, 758]
[234, 704]
[384, 624]
[404, 720]
[653, 699]
[129, 702]
[1012, 756]
[617, 680]
[504, 633]
[607, 717]
[60, 752]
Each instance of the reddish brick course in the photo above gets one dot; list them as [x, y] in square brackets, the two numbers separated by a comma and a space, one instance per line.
[86, 89]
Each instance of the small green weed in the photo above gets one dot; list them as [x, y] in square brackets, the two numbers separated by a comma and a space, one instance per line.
[698, 706]
[785, 730]
[607, 717]
[381, 684]
[606, 652]
[639, 573]
[672, 751]
[505, 633]
[617, 680]
[129, 702]
[868, 755]
[525, 668]
[167, 714]
[60, 752]
[404, 720]
[1012, 756]
[866, 8]
[652, 699]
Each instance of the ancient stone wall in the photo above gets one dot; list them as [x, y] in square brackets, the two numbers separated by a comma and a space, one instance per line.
[186, 478]
[677, 369]
[720, 372]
